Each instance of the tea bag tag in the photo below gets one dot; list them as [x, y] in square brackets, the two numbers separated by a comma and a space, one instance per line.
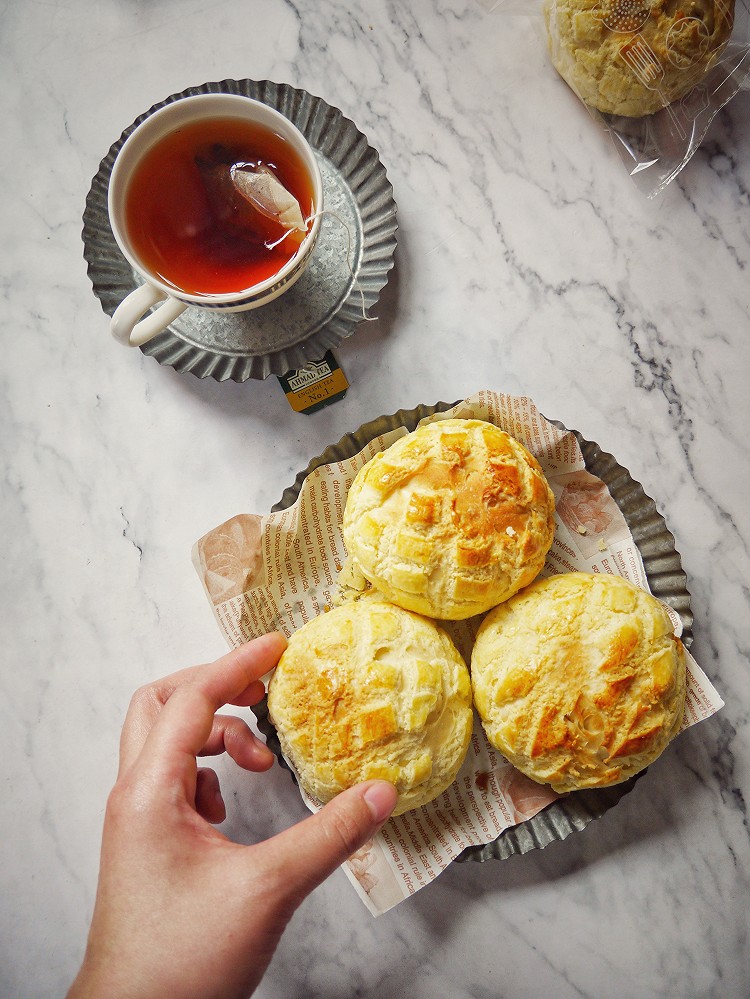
[268, 195]
[318, 384]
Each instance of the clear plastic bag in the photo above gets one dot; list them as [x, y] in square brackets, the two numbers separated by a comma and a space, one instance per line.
[681, 62]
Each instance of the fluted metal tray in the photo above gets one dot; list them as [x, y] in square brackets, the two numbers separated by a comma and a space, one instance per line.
[348, 269]
[661, 560]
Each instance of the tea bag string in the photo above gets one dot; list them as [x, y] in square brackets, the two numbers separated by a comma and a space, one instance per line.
[342, 223]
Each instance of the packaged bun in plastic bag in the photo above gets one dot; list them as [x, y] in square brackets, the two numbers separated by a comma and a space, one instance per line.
[653, 72]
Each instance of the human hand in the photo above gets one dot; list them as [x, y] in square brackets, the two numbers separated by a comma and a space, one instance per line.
[181, 911]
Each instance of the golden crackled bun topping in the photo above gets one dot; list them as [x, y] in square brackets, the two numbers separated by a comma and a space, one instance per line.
[633, 57]
[450, 520]
[370, 690]
[579, 680]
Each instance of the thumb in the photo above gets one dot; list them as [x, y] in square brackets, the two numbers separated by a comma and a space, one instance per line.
[307, 853]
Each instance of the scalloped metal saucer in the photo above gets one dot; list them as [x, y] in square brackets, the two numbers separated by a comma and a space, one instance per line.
[348, 270]
[661, 560]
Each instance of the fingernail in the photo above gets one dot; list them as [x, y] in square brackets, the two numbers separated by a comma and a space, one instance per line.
[381, 799]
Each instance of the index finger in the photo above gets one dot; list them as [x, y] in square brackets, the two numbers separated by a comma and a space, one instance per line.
[176, 713]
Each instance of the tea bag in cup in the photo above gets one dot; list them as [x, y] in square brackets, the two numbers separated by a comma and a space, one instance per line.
[250, 197]
[265, 192]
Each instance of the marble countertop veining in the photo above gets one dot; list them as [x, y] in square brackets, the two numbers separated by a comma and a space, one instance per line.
[528, 263]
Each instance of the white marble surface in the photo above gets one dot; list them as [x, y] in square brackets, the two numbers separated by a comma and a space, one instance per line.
[527, 263]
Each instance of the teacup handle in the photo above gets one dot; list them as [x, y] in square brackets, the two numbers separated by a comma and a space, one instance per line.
[127, 326]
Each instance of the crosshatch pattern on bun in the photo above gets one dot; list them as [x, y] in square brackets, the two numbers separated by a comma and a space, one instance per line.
[450, 520]
[633, 57]
[579, 680]
[370, 690]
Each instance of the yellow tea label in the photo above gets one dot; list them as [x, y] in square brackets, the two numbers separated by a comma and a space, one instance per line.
[318, 384]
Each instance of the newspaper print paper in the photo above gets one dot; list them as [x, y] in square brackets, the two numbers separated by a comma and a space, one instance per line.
[276, 572]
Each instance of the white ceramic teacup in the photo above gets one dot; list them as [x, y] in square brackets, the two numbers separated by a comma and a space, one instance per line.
[131, 325]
